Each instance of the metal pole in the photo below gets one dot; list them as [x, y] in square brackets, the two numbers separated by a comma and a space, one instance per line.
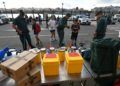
[62, 10]
[12, 14]
[33, 12]
[5, 8]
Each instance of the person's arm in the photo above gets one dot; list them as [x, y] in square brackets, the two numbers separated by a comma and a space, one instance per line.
[33, 26]
[65, 23]
[72, 27]
[49, 23]
[16, 28]
[78, 26]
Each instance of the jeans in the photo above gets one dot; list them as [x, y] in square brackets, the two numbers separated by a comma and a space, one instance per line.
[61, 36]
[25, 38]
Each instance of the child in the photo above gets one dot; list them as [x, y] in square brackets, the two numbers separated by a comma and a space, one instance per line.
[36, 28]
[75, 29]
[52, 27]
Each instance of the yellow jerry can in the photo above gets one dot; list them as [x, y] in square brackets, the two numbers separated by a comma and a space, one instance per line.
[50, 64]
[74, 62]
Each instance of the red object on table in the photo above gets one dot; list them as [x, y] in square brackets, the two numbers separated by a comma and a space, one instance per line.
[117, 82]
[73, 54]
[51, 55]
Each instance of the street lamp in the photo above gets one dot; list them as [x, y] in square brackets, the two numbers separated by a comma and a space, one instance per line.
[33, 12]
[62, 10]
[5, 8]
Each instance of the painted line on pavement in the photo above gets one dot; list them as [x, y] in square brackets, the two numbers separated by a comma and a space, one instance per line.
[81, 34]
[12, 30]
[119, 32]
[18, 36]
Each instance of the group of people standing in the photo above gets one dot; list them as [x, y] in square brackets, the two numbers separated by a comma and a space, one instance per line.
[20, 25]
[60, 25]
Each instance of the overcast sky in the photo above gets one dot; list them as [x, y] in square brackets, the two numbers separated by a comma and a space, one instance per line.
[86, 4]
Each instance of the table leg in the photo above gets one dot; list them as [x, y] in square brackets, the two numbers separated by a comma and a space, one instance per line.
[71, 83]
[83, 83]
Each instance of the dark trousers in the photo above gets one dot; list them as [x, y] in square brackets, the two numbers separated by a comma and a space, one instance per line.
[25, 38]
[74, 36]
[99, 36]
[61, 36]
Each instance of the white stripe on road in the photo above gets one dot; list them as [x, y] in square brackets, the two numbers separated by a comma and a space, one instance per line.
[18, 36]
[81, 34]
[12, 30]
[111, 33]
[119, 32]
[8, 37]
[40, 35]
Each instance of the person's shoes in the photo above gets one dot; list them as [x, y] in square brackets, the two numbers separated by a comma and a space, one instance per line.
[55, 39]
[51, 39]
[37, 45]
[75, 44]
[62, 44]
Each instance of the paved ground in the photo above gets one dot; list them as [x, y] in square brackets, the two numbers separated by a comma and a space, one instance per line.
[8, 36]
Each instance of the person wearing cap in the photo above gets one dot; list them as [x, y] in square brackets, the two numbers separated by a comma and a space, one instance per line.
[20, 25]
[101, 26]
[60, 28]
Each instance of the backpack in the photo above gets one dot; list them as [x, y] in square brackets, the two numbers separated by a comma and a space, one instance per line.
[38, 29]
[59, 22]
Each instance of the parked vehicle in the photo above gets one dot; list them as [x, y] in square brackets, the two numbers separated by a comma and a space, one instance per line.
[84, 19]
[113, 21]
[4, 19]
[117, 17]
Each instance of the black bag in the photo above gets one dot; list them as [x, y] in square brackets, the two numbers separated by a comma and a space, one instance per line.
[87, 55]
[104, 55]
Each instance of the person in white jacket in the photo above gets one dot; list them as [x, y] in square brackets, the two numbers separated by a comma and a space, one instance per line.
[52, 27]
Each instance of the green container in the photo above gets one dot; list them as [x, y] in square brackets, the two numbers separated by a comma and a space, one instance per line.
[104, 55]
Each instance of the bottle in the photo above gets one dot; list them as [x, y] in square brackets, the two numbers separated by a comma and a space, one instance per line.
[48, 51]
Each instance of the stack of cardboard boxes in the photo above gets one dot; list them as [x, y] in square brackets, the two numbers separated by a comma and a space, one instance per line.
[23, 68]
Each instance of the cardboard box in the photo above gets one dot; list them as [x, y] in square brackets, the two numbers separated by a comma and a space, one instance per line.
[51, 64]
[33, 79]
[36, 51]
[74, 62]
[18, 66]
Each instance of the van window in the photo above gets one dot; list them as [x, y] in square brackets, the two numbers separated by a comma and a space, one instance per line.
[117, 15]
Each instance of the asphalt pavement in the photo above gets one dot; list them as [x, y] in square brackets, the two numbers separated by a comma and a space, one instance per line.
[9, 38]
